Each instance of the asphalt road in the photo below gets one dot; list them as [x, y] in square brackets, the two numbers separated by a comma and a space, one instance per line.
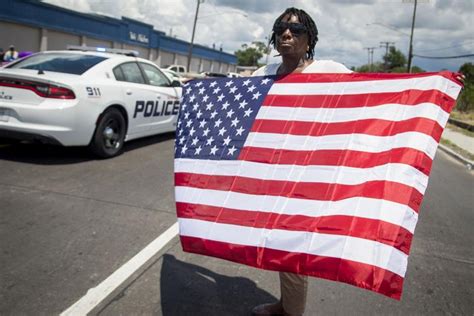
[67, 221]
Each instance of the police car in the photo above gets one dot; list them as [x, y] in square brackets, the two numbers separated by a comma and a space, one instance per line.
[86, 97]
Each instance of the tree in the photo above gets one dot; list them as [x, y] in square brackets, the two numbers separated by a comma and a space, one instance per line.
[249, 55]
[416, 69]
[465, 101]
[394, 58]
[375, 67]
[403, 69]
[393, 61]
[467, 70]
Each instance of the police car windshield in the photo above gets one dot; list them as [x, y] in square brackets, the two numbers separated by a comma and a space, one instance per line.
[68, 63]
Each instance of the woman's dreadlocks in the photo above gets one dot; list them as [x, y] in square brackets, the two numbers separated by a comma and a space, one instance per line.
[307, 21]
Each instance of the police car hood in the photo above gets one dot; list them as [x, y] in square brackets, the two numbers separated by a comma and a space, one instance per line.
[49, 77]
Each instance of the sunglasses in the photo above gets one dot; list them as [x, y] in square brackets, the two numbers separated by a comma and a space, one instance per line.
[295, 28]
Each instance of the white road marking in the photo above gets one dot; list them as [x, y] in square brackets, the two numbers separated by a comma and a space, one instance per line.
[97, 295]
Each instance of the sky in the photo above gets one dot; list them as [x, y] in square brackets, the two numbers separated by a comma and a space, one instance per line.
[345, 27]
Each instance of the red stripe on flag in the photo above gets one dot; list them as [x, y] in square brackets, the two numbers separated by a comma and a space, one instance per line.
[347, 158]
[386, 190]
[409, 97]
[373, 127]
[355, 273]
[371, 229]
[357, 77]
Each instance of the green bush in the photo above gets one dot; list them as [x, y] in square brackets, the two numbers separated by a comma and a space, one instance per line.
[465, 102]
[376, 67]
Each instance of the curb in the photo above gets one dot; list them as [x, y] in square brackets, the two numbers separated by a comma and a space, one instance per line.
[468, 163]
[461, 124]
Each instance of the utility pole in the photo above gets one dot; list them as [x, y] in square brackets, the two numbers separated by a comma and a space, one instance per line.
[190, 52]
[386, 45]
[410, 50]
[370, 54]
[267, 38]
[372, 57]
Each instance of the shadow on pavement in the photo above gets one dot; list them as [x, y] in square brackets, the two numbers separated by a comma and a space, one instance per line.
[188, 289]
[44, 154]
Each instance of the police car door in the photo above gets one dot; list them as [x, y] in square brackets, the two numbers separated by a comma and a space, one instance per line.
[136, 93]
[162, 110]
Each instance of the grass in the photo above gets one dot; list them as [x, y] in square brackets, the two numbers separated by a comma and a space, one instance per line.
[467, 117]
[457, 149]
[460, 130]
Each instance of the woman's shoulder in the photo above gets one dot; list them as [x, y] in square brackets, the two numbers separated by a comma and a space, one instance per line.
[327, 65]
[268, 70]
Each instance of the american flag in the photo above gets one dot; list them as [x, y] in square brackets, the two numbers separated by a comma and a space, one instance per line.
[316, 174]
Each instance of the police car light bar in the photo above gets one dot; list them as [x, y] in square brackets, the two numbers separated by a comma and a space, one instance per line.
[126, 52]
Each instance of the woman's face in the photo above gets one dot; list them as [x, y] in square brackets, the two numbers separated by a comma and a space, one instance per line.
[290, 43]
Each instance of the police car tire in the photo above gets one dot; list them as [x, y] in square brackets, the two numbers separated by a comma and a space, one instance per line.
[112, 121]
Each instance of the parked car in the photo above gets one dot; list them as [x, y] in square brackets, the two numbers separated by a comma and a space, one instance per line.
[86, 97]
[173, 75]
[233, 75]
[182, 71]
[179, 69]
[213, 74]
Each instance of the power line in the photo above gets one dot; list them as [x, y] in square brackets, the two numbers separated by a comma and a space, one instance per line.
[442, 48]
[444, 57]
[391, 27]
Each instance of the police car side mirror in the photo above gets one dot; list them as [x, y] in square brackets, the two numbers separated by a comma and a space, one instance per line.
[175, 83]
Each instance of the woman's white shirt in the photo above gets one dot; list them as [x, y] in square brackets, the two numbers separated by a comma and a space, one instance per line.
[317, 66]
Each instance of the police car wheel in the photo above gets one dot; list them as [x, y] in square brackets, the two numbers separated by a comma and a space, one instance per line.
[109, 135]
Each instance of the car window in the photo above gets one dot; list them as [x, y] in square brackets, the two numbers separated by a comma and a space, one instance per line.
[118, 73]
[131, 73]
[68, 63]
[155, 76]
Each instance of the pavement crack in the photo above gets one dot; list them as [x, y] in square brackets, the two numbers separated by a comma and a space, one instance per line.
[446, 257]
[84, 197]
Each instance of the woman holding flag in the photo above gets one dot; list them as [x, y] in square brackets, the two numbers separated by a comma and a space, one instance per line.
[294, 37]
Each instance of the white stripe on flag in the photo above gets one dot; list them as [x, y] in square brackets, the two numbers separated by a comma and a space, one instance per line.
[395, 172]
[359, 142]
[391, 212]
[363, 87]
[335, 246]
[389, 112]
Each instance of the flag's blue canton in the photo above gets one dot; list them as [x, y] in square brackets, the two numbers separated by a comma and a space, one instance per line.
[216, 116]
